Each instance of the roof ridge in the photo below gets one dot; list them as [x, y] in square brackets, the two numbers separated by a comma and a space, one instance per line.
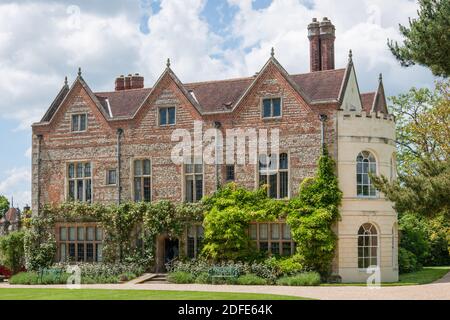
[315, 72]
[216, 81]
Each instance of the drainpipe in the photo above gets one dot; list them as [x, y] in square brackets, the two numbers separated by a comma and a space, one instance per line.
[323, 118]
[217, 125]
[119, 186]
[38, 174]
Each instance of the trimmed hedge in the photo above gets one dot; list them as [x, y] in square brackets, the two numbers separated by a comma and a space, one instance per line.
[301, 279]
[251, 279]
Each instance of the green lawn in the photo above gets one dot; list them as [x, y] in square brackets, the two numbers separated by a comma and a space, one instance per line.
[88, 294]
[424, 276]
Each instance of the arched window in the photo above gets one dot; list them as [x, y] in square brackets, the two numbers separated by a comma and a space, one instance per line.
[367, 246]
[365, 164]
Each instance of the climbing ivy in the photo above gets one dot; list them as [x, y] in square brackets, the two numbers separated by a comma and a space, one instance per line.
[124, 225]
[229, 213]
[312, 216]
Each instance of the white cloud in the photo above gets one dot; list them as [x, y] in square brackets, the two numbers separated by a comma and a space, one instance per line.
[17, 184]
[40, 44]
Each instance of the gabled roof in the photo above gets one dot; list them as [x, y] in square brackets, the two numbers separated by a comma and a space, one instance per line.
[208, 97]
[56, 103]
[64, 93]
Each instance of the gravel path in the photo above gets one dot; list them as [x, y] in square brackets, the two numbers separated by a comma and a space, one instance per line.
[436, 291]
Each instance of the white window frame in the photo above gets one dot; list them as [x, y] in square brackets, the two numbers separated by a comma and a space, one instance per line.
[368, 227]
[369, 185]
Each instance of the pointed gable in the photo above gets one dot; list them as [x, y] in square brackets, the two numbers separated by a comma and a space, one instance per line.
[65, 94]
[169, 74]
[380, 103]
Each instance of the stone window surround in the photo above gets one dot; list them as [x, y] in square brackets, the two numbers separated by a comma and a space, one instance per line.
[377, 162]
[288, 171]
[77, 225]
[107, 182]
[71, 122]
[158, 115]
[196, 239]
[66, 175]
[281, 223]
[133, 159]
[183, 180]
[261, 107]
[378, 245]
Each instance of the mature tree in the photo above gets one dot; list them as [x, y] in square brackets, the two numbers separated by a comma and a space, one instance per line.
[4, 205]
[422, 120]
[427, 39]
[423, 134]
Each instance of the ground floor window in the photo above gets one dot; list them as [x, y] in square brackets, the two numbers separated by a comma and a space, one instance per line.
[274, 237]
[195, 235]
[79, 242]
[367, 246]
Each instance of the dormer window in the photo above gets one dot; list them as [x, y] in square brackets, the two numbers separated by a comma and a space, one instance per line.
[167, 116]
[79, 122]
[271, 108]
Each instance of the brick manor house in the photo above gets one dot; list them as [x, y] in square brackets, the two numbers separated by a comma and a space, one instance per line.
[111, 147]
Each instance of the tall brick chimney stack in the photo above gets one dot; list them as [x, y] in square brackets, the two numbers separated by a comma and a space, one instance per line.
[137, 81]
[120, 83]
[327, 38]
[321, 38]
[128, 82]
[314, 44]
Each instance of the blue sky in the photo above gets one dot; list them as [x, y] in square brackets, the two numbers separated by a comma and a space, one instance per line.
[43, 41]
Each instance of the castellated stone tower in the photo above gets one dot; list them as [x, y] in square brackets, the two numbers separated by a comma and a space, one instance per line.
[366, 144]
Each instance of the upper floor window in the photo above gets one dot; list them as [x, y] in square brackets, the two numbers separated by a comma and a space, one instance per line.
[80, 181]
[271, 108]
[142, 180]
[274, 172]
[367, 246]
[365, 164]
[166, 116]
[79, 122]
[193, 180]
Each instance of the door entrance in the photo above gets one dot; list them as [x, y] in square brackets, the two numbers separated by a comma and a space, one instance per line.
[171, 249]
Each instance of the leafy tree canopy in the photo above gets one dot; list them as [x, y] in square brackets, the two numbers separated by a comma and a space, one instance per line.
[427, 38]
[4, 205]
